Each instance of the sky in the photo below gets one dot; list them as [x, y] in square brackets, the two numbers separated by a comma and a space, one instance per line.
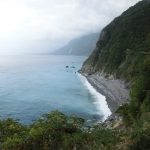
[42, 26]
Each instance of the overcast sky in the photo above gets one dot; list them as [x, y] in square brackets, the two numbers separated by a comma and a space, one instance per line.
[39, 26]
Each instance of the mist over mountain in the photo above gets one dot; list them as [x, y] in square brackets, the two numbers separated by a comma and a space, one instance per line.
[122, 53]
[82, 46]
[123, 44]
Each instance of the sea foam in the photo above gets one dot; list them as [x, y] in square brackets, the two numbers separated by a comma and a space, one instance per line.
[100, 100]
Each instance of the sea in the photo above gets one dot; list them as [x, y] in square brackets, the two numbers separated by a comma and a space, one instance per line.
[32, 85]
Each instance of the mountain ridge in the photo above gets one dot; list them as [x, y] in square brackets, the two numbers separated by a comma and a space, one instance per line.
[118, 41]
[81, 46]
[123, 52]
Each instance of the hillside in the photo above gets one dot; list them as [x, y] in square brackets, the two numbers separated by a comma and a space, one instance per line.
[122, 52]
[82, 46]
[123, 44]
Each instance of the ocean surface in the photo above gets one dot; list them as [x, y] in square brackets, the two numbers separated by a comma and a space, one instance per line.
[32, 85]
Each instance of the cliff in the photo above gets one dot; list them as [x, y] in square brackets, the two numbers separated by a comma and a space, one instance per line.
[81, 46]
[123, 52]
[123, 45]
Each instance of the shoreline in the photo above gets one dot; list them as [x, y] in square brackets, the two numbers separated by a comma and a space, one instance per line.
[100, 100]
[115, 91]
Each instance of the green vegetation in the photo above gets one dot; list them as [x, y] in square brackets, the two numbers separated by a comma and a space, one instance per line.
[123, 51]
[123, 44]
[56, 131]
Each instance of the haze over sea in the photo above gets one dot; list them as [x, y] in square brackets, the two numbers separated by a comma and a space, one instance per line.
[32, 85]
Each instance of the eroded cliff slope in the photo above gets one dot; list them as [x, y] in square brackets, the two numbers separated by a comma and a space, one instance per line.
[123, 45]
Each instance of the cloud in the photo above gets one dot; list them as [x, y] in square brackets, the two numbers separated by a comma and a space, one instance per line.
[44, 25]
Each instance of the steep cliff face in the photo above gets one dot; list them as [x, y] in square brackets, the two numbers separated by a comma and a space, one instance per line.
[123, 45]
[91, 64]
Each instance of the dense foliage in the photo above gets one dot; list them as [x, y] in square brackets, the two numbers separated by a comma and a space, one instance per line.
[123, 44]
[123, 50]
[56, 131]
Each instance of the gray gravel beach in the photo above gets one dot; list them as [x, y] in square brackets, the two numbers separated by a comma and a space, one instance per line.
[115, 91]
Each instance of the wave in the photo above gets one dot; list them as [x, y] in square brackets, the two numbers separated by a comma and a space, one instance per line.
[100, 100]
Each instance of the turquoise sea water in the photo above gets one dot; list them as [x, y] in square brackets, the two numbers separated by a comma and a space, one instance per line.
[31, 85]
